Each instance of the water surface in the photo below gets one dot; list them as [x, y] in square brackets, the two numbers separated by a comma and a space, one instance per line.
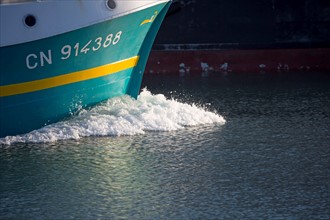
[218, 146]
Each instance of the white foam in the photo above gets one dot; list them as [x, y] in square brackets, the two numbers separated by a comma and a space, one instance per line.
[123, 116]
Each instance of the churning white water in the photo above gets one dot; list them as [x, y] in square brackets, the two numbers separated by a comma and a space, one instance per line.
[123, 116]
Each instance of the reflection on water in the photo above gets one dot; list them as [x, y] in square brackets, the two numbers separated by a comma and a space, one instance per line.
[270, 160]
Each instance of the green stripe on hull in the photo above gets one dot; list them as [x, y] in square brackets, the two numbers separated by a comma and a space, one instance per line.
[39, 108]
[47, 59]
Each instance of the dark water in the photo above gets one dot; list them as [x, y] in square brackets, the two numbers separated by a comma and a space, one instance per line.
[269, 160]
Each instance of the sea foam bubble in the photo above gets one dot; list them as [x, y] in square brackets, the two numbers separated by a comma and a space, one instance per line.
[123, 116]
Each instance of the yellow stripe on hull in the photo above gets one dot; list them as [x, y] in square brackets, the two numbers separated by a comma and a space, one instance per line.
[65, 79]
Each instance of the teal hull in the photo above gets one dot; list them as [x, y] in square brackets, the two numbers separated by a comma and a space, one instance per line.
[45, 81]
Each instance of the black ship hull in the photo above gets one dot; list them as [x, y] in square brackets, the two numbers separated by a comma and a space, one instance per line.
[272, 33]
